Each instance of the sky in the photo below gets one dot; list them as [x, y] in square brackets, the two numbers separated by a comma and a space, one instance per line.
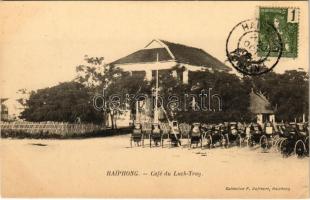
[42, 42]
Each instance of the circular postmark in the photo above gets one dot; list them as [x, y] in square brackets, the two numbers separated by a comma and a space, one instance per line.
[250, 52]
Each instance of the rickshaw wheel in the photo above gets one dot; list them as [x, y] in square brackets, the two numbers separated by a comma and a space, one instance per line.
[307, 144]
[263, 142]
[281, 143]
[285, 151]
[250, 142]
[300, 148]
[209, 141]
[278, 144]
[162, 142]
[239, 140]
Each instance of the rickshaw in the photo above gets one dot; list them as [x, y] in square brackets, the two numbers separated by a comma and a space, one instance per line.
[231, 133]
[146, 129]
[215, 136]
[254, 133]
[185, 130]
[195, 135]
[206, 130]
[267, 137]
[175, 134]
[156, 136]
[136, 136]
[280, 129]
[302, 144]
[290, 134]
[165, 131]
[241, 138]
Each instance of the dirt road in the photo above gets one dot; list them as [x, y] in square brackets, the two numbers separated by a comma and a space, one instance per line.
[108, 167]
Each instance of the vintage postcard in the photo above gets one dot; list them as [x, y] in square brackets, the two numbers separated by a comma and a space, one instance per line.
[159, 99]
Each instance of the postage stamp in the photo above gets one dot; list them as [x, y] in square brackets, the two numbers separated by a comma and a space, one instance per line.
[247, 53]
[286, 22]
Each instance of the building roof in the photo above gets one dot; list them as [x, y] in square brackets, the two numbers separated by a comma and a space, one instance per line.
[145, 55]
[180, 53]
[3, 99]
[259, 104]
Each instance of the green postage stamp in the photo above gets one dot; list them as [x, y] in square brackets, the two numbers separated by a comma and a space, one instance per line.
[286, 22]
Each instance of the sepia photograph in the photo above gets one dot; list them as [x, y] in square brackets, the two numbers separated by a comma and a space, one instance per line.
[158, 99]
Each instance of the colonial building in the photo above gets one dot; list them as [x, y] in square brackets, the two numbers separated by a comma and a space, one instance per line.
[261, 107]
[167, 56]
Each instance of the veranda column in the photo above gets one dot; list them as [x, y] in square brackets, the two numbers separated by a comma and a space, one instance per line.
[185, 76]
[148, 75]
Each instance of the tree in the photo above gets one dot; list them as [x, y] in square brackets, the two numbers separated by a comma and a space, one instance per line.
[65, 102]
[23, 93]
[232, 95]
[288, 93]
[98, 77]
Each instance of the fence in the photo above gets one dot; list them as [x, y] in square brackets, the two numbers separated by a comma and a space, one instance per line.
[47, 129]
